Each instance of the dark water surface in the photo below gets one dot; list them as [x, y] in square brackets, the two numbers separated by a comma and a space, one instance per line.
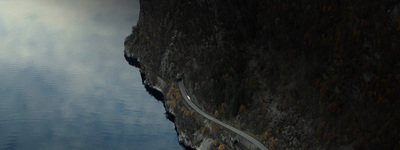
[64, 83]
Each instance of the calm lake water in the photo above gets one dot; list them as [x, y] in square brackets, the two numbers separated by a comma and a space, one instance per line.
[64, 83]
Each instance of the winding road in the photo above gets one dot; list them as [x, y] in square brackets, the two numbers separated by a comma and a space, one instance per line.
[237, 131]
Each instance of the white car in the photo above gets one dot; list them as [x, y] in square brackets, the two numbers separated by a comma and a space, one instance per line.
[188, 97]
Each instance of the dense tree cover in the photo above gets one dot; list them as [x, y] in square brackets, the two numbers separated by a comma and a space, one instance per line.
[267, 65]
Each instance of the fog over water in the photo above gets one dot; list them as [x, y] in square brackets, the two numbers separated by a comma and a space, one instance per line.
[64, 83]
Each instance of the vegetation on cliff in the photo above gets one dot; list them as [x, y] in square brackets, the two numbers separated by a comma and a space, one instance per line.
[296, 74]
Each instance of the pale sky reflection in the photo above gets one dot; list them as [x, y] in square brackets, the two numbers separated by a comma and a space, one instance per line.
[72, 35]
[68, 54]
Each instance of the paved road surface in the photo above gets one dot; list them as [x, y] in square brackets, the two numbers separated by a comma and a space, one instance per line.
[241, 133]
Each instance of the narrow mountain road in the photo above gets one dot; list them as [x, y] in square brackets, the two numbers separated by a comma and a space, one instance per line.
[237, 131]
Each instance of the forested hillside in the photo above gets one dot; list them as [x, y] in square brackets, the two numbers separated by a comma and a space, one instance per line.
[296, 74]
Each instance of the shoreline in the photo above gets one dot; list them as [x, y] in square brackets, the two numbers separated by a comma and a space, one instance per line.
[157, 94]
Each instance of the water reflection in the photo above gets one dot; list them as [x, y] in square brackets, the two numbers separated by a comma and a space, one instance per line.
[64, 83]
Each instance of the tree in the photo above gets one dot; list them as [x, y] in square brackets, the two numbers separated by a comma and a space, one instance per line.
[242, 108]
[173, 95]
[216, 114]
[221, 147]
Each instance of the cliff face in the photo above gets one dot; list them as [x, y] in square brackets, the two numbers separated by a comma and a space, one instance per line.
[306, 74]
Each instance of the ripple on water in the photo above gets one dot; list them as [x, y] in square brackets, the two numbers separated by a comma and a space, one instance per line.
[10, 142]
[71, 89]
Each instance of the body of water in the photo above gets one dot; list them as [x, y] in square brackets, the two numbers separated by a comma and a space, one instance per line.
[64, 83]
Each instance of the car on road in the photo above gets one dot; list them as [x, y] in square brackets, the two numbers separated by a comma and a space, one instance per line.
[179, 77]
[188, 97]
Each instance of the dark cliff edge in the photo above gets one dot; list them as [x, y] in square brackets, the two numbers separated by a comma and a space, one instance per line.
[293, 74]
[158, 95]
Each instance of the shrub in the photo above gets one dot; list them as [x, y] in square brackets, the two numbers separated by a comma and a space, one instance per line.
[221, 147]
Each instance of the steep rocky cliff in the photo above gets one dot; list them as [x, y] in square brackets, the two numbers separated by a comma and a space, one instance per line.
[294, 74]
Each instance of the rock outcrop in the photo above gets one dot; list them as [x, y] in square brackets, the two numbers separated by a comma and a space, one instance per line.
[294, 74]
